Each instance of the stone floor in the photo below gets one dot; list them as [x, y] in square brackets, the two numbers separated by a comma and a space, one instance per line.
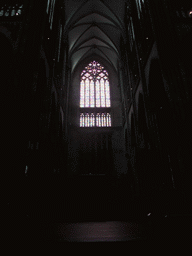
[90, 210]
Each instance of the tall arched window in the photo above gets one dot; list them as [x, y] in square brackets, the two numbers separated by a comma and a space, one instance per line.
[95, 102]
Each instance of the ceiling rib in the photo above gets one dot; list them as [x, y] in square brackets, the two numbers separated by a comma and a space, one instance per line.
[93, 29]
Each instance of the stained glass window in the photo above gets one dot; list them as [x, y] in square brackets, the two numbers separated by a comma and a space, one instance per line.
[94, 87]
[102, 120]
[94, 93]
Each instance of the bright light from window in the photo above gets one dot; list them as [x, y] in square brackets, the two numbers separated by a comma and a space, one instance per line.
[102, 120]
[94, 87]
[95, 93]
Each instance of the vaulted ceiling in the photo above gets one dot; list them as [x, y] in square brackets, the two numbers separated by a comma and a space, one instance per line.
[94, 28]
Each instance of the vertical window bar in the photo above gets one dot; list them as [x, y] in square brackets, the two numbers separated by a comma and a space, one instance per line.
[82, 95]
[88, 120]
[109, 120]
[102, 123]
[91, 121]
[102, 93]
[99, 120]
[92, 96]
[81, 123]
[97, 94]
[104, 120]
[105, 94]
[87, 93]
[84, 92]
[83, 117]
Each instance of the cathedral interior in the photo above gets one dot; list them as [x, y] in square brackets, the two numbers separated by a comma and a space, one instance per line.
[96, 135]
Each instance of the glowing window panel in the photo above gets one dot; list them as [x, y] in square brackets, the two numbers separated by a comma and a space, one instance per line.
[93, 120]
[98, 104]
[87, 93]
[92, 96]
[82, 99]
[99, 121]
[104, 120]
[82, 120]
[108, 103]
[102, 93]
[109, 119]
[86, 121]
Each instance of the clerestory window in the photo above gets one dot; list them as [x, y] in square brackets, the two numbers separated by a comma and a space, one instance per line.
[95, 102]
